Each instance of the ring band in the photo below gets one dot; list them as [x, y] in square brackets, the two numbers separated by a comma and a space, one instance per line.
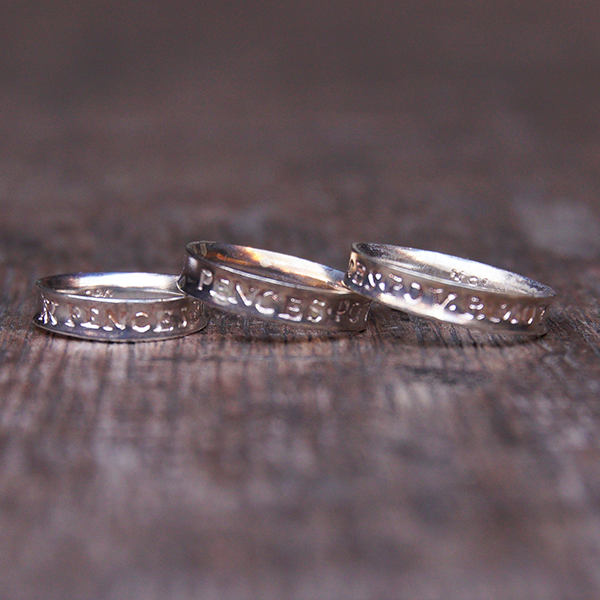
[117, 307]
[271, 286]
[449, 289]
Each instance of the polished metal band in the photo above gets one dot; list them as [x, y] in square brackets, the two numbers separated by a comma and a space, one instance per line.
[117, 307]
[448, 288]
[271, 286]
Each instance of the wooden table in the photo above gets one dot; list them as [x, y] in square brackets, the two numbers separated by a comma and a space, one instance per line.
[251, 461]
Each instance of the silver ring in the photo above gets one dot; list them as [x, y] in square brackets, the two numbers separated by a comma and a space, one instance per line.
[117, 307]
[449, 289]
[271, 286]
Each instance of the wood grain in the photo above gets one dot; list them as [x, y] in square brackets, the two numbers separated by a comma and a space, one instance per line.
[414, 460]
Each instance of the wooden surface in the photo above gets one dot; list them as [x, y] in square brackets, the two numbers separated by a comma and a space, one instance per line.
[249, 461]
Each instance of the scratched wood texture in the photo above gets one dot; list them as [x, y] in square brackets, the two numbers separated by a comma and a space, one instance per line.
[251, 461]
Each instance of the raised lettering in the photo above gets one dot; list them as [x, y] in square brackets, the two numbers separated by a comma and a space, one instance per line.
[48, 312]
[206, 278]
[222, 291]
[292, 310]
[265, 303]
[357, 273]
[462, 277]
[456, 275]
[184, 314]
[397, 283]
[414, 293]
[93, 319]
[166, 321]
[436, 294]
[497, 312]
[355, 312]
[448, 303]
[75, 315]
[246, 296]
[541, 312]
[528, 315]
[195, 312]
[515, 315]
[341, 309]
[113, 317]
[97, 292]
[316, 311]
[141, 321]
[374, 281]
[476, 307]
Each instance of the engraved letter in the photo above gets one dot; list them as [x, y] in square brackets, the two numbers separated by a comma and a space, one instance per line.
[357, 276]
[449, 302]
[94, 320]
[515, 314]
[75, 315]
[113, 319]
[48, 310]
[456, 275]
[166, 321]
[497, 313]
[476, 307]
[267, 296]
[355, 312]
[436, 293]
[342, 309]
[373, 281]
[195, 312]
[141, 321]
[222, 291]
[397, 285]
[247, 297]
[206, 278]
[183, 316]
[528, 314]
[292, 310]
[316, 311]
[414, 293]
[541, 312]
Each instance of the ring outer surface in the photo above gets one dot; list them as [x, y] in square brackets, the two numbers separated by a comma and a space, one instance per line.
[449, 289]
[117, 307]
[271, 286]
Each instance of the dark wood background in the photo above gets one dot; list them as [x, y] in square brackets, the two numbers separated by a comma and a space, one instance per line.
[249, 461]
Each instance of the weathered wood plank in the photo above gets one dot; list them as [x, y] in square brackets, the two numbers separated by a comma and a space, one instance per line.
[414, 460]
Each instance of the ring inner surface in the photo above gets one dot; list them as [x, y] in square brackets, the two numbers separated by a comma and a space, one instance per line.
[453, 269]
[121, 286]
[270, 265]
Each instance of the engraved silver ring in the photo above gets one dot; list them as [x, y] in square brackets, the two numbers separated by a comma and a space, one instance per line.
[449, 289]
[271, 286]
[117, 307]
